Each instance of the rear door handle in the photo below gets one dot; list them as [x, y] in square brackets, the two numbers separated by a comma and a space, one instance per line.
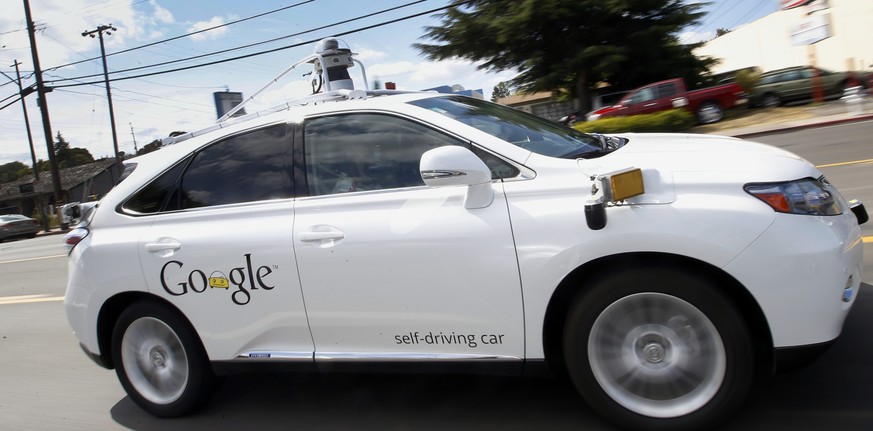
[163, 244]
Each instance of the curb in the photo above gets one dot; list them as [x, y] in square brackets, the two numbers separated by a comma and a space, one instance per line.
[52, 232]
[788, 129]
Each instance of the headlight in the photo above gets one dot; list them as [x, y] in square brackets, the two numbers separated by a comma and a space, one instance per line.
[806, 196]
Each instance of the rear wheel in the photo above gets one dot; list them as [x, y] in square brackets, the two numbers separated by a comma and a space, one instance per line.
[160, 361]
[709, 112]
[658, 349]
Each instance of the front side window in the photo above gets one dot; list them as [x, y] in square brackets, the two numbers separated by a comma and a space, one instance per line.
[248, 167]
[358, 152]
[644, 95]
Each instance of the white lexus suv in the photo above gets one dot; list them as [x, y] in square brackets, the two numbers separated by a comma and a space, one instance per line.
[659, 272]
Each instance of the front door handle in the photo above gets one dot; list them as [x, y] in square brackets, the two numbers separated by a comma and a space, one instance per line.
[321, 236]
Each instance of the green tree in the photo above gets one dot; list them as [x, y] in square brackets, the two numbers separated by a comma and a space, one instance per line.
[12, 171]
[571, 45]
[67, 156]
[148, 148]
[500, 90]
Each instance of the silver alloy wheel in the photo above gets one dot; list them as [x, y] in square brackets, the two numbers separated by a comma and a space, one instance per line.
[154, 360]
[656, 355]
[710, 113]
[771, 101]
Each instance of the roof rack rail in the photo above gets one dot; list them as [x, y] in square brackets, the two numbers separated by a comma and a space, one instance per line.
[332, 96]
[331, 59]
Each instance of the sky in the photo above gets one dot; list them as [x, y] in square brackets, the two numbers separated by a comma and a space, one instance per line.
[150, 107]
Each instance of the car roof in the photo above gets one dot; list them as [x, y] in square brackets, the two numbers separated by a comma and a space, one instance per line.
[784, 69]
[295, 110]
[177, 148]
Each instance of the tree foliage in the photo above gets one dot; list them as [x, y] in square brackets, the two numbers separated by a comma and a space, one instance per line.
[571, 45]
[500, 90]
[148, 148]
[67, 156]
[12, 171]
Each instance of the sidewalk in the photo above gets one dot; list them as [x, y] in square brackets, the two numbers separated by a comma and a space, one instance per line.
[785, 119]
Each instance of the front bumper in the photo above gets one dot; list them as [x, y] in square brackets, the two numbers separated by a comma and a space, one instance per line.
[804, 272]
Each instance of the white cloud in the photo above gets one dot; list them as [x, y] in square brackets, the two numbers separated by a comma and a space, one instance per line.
[367, 54]
[161, 14]
[211, 34]
[410, 75]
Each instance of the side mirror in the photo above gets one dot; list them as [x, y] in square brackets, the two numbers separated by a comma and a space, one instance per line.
[452, 165]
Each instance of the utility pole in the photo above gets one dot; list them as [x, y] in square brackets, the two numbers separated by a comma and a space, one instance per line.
[27, 122]
[26, 119]
[99, 32]
[43, 109]
[22, 93]
[135, 149]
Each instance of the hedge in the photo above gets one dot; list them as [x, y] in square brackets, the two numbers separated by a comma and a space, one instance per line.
[674, 120]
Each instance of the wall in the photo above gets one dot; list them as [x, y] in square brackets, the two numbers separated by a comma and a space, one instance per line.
[767, 42]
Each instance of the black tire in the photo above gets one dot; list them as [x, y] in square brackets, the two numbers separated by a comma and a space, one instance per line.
[770, 100]
[658, 349]
[160, 361]
[709, 112]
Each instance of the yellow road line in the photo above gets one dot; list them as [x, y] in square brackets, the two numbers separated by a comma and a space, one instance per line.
[33, 258]
[28, 299]
[854, 162]
[868, 239]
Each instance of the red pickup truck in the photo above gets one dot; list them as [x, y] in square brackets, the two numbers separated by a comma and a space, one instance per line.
[708, 104]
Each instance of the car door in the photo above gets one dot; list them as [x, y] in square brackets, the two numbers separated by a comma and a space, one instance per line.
[220, 249]
[644, 101]
[390, 268]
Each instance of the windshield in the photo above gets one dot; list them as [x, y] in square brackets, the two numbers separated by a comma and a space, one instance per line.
[519, 128]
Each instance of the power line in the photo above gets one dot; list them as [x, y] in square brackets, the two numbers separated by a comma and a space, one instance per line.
[187, 34]
[282, 48]
[750, 14]
[123, 90]
[267, 41]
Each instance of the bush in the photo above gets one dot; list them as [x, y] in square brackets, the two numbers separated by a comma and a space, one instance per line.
[52, 219]
[674, 120]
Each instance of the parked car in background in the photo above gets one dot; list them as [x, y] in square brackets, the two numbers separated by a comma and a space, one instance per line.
[798, 84]
[17, 226]
[598, 102]
[708, 104]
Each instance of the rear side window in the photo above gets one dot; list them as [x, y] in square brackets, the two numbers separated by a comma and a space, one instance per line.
[151, 198]
[249, 167]
[667, 90]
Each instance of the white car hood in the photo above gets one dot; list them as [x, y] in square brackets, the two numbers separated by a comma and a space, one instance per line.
[669, 161]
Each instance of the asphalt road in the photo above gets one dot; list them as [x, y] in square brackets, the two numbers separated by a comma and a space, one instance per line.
[46, 383]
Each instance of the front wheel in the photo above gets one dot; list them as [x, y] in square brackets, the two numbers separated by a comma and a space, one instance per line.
[771, 100]
[658, 349]
[160, 360]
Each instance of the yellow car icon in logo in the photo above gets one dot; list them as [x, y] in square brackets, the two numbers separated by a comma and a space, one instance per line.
[217, 279]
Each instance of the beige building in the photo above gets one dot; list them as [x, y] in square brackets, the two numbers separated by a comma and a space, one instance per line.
[832, 34]
[541, 104]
